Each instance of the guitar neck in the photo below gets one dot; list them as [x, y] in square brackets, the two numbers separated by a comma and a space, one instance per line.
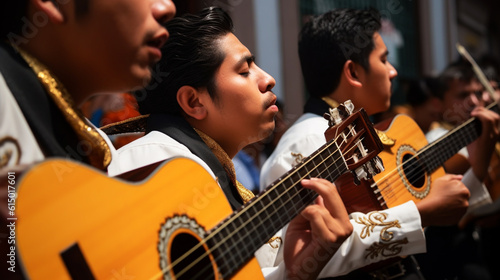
[256, 222]
[436, 153]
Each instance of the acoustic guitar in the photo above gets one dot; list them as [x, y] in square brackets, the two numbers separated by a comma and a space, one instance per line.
[75, 222]
[411, 164]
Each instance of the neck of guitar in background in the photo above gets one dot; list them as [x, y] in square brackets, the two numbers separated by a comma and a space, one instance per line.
[445, 147]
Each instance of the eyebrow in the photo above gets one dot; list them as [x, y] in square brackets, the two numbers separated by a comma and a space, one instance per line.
[249, 59]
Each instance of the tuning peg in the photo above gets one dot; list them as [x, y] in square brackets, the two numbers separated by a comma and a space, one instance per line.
[356, 180]
[349, 106]
[360, 174]
[333, 117]
[378, 164]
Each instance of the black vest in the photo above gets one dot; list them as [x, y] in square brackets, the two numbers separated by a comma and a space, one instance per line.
[53, 133]
[181, 131]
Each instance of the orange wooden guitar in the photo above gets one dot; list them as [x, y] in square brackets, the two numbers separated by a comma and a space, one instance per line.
[410, 165]
[74, 222]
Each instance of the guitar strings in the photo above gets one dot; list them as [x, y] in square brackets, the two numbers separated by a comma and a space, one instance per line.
[393, 177]
[257, 199]
[389, 174]
[220, 228]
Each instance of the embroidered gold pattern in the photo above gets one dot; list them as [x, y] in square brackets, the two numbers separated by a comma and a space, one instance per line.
[375, 219]
[10, 151]
[385, 249]
[226, 162]
[5, 158]
[386, 140]
[276, 244]
[298, 157]
[332, 103]
[100, 154]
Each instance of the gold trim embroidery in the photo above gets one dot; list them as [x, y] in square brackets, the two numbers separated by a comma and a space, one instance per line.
[298, 157]
[100, 153]
[6, 157]
[375, 219]
[384, 249]
[226, 162]
[386, 140]
[276, 244]
[332, 103]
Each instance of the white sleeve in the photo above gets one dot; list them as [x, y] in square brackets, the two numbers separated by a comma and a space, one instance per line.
[366, 244]
[18, 144]
[377, 236]
[275, 273]
[479, 194]
[151, 148]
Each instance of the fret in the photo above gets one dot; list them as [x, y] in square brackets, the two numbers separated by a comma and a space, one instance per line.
[439, 151]
[248, 228]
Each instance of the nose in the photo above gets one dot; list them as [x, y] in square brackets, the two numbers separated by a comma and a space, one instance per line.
[392, 71]
[163, 10]
[267, 82]
[475, 99]
[486, 97]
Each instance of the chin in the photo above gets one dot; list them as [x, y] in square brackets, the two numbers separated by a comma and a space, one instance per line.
[268, 131]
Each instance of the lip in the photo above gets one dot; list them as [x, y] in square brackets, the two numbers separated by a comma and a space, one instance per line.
[156, 43]
[271, 103]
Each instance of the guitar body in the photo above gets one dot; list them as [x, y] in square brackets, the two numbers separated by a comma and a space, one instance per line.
[401, 181]
[73, 220]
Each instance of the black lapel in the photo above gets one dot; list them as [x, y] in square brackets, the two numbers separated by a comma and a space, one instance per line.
[54, 135]
[180, 130]
[316, 106]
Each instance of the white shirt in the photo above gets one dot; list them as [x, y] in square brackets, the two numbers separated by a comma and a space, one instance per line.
[17, 143]
[156, 146]
[304, 137]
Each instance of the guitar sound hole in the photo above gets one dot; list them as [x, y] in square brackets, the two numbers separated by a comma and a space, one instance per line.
[200, 269]
[413, 171]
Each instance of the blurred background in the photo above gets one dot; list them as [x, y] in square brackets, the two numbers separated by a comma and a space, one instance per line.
[420, 35]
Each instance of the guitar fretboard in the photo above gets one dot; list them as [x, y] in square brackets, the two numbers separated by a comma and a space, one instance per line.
[439, 151]
[241, 234]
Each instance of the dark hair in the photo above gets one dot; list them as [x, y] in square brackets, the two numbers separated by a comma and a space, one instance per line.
[490, 66]
[420, 90]
[460, 70]
[11, 15]
[191, 57]
[327, 41]
[82, 8]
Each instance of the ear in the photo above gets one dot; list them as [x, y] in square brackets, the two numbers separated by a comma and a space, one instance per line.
[51, 8]
[189, 98]
[436, 104]
[352, 73]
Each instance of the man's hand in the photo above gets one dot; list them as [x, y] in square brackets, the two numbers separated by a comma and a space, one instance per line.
[481, 149]
[446, 203]
[314, 236]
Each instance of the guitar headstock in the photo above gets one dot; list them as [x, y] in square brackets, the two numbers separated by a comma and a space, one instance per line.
[356, 138]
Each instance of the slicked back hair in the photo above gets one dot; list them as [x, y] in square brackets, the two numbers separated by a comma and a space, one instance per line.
[328, 41]
[191, 57]
[459, 70]
[11, 17]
